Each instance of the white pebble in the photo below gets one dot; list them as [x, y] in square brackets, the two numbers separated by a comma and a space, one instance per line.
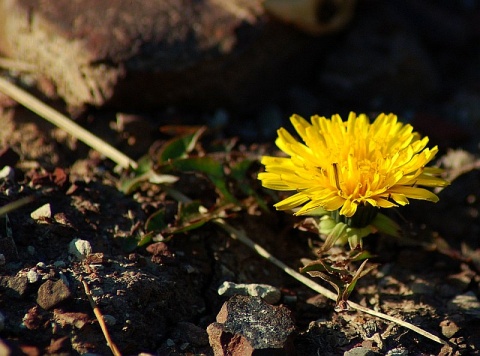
[80, 248]
[45, 211]
[7, 172]
[32, 276]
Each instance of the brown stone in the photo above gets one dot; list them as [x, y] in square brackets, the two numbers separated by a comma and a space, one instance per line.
[51, 294]
[248, 325]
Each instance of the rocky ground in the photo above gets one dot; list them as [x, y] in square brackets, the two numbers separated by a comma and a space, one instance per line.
[154, 265]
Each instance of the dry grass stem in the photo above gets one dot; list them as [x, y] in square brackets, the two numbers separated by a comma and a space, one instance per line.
[61, 121]
[101, 321]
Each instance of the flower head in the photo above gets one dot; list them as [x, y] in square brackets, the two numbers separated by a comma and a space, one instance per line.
[344, 165]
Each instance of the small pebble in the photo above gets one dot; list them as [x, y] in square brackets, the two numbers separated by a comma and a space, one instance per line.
[80, 248]
[400, 351]
[32, 276]
[45, 211]
[7, 172]
[41, 265]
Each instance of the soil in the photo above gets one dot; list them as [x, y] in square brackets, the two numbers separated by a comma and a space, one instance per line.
[157, 292]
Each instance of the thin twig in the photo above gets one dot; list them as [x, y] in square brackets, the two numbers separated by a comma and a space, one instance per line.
[63, 122]
[242, 237]
[101, 321]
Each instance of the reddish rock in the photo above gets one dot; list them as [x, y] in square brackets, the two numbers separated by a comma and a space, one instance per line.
[248, 325]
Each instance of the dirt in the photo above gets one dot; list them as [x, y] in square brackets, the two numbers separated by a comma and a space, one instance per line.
[157, 288]
[159, 298]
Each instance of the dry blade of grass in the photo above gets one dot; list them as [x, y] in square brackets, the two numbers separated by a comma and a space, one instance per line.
[17, 204]
[63, 122]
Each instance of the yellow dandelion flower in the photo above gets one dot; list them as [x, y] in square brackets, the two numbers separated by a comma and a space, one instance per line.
[344, 165]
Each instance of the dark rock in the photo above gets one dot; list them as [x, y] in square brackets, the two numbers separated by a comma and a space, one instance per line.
[150, 53]
[50, 294]
[247, 324]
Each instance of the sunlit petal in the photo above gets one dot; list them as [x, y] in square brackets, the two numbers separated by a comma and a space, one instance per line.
[342, 165]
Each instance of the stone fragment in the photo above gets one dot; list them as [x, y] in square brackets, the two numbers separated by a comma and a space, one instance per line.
[359, 351]
[32, 276]
[44, 212]
[8, 173]
[50, 294]
[80, 248]
[248, 325]
[449, 327]
[398, 351]
[161, 253]
[76, 319]
[268, 293]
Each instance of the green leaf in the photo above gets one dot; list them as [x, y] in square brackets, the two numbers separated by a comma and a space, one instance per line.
[156, 221]
[145, 239]
[322, 266]
[212, 168]
[386, 225]
[179, 147]
[358, 274]
[206, 165]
